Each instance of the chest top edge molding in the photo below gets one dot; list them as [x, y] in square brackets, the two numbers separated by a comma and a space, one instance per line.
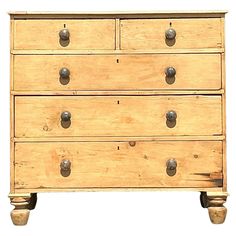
[120, 15]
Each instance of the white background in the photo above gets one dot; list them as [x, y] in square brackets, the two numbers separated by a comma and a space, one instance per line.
[122, 213]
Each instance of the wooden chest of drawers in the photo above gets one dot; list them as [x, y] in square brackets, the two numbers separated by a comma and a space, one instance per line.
[103, 101]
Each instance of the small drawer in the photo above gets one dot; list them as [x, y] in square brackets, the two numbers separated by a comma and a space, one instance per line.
[163, 164]
[171, 33]
[58, 116]
[117, 72]
[64, 34]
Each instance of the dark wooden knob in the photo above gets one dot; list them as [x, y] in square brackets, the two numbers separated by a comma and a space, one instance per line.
[171, 166]
[64, 34]
[170, 72]
[171, 116]
[170, 34]
[65, 165]
[65, 116]
[64, 73]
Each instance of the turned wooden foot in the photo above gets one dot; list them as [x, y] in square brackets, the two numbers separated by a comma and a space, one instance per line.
[217, 214]
[20, 216]
[215, 204]
[23, 203]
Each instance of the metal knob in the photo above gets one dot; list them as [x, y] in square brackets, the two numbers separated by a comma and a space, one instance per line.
[171, 166]
[170, 34]
[64, 34]
[171, 116]
[64, 73]
[65, 116]
[65, 165]
[170, 72]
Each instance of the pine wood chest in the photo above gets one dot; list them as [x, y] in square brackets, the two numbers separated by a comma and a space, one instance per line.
[117, 101]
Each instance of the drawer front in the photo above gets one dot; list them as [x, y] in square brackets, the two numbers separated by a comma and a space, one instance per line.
[47, 116]
[118, 164]
[190, 33]
[83, 34]
[121, 72]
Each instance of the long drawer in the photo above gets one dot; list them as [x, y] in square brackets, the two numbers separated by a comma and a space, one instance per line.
[118, 164]
[117, 72]
[51, 116]
[190, 33]
[81, 34]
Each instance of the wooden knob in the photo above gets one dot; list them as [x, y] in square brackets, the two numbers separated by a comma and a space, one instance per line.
[64, 73]
[170, 72]
[65, 116]
[65, 165]
[171, 116]
[64, 34]
[170, 34]
[171, 166]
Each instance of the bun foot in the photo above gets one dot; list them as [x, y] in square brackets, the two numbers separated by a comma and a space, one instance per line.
[23, 203]
[217, 214]
[20, 216]
[214, 201]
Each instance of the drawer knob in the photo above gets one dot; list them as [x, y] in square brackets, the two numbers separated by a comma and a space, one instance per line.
[64, 73]
[171, 166]
[170, 72]
[65, 167]
[170, 34]
[65, 119]
[65, 116]
[64, 34]
[171, 116]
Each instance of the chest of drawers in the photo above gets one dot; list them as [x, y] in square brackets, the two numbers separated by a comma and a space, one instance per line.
[110, 101]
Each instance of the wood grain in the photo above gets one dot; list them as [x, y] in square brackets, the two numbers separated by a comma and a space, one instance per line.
[117, 115]
[117, 72]
[117, 34]
[84, 34]
[150, 33]
[117, 164]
